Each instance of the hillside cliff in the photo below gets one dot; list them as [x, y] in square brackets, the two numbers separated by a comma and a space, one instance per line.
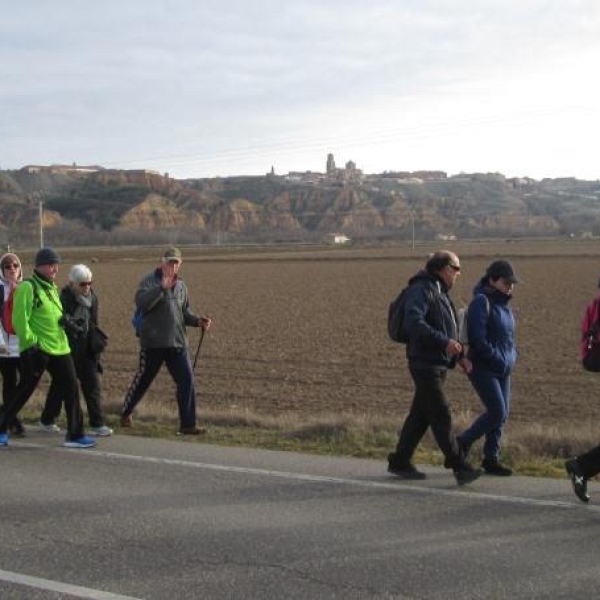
[137, 203]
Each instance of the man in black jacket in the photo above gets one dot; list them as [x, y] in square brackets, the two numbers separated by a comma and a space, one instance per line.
[432, 349]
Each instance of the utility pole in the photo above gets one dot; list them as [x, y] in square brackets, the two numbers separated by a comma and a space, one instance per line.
[412, 221]
[41, 217]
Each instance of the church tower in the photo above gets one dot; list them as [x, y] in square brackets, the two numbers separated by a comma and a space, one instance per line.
[330, 163]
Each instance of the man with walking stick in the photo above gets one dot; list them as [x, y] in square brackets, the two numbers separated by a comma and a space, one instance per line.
[162, 300]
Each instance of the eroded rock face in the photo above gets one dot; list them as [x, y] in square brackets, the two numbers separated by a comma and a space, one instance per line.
[158, 212]
[141, 201]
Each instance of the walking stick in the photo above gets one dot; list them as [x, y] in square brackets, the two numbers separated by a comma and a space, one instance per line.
[198, 349]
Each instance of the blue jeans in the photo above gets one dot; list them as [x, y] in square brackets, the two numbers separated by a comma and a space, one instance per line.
[494, 393]
[178, 364]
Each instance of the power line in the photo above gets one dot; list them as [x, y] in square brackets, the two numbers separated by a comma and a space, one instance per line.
[381, 137]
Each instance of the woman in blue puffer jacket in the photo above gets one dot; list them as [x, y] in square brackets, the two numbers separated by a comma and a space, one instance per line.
[492, 351]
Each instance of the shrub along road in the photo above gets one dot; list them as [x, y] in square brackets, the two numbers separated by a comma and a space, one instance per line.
[155, 519]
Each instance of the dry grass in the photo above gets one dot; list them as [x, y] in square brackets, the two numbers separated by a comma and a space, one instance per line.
[533, 449]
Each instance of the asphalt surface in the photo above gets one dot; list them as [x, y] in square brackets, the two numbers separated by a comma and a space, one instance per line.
[158, 519]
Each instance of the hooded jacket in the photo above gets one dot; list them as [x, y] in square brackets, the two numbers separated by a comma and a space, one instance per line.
[430, 322]
[10, 342]
[491, 327]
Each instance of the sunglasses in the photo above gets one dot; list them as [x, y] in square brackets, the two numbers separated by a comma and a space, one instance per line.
[10, 266]
[85, 283]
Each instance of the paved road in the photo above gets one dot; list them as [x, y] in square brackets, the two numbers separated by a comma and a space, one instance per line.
[156, 519]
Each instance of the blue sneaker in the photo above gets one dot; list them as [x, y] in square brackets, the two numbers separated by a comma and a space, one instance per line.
[3, 439]
[80, 442]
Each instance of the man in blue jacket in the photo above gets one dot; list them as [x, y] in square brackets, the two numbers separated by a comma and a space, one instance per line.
[432, 349]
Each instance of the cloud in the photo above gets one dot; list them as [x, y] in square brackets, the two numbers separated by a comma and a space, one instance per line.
[185, 85]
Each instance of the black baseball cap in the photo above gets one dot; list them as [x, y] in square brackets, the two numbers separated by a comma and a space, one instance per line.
[502, 269]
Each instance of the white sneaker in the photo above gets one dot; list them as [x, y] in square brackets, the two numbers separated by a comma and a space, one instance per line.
[102, 431]
[52, 428]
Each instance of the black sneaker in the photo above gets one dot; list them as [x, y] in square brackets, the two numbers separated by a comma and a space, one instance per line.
[463, 451]
[17, 428]
[192, 431]
[493, 467]
[463, 448]
[466, 474]
[577, 479]
[408, 471]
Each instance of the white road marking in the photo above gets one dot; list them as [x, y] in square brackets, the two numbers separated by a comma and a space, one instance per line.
[392, 484]
[62, 588]
[388, 485]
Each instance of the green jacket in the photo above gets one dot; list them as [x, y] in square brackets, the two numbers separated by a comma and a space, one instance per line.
[36, 312]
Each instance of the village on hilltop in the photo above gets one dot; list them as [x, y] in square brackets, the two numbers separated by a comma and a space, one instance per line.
[349, 174]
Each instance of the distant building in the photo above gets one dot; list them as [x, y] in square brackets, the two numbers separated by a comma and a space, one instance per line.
[337, 238]
[348, 174]
[409, 180]
[61, 169]
[305, 177]
[330, 163]
[430, 175]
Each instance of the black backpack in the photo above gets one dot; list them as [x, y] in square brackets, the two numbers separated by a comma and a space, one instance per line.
[396, 312]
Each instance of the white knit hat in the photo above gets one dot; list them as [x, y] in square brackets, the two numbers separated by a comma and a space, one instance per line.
[79, 273]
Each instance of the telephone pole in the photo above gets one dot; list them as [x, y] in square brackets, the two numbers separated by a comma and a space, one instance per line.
[41, 217]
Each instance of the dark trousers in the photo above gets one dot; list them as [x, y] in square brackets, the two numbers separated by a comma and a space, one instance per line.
[590, 462]
[494, 393]
[11, 371]
[178, 364]
[62, 371]
[429, 409]
[86, 367]
[10, 368]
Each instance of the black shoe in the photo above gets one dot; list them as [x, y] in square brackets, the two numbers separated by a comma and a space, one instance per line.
[192, 431]
[577, 479]
[466, 474]
[463, 451]
[17, 428]
[493, 467]
[463, 448]
[407, 471]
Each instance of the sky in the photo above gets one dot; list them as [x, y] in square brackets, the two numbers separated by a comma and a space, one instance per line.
[199, 88]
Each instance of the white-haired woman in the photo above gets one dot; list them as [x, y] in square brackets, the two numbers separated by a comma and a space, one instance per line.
[80, 305]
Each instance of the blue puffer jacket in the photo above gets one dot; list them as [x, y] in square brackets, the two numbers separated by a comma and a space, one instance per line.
[430, 321]
[491, 328]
